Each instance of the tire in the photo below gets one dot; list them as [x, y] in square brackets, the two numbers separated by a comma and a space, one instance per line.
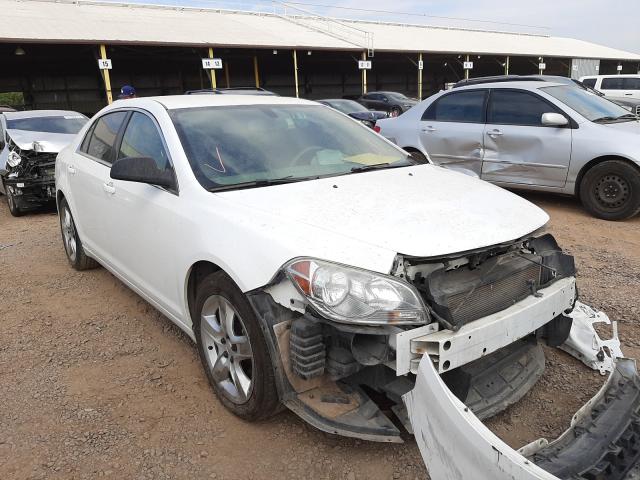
[611, 190]
[418, 156]
[13, 207]
[71, 241]
[234, 351]
[395, 111]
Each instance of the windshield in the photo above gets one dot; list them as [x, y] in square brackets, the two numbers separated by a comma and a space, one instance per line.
[347, 106]
[587, 104]
[63, 124]
[251, 143]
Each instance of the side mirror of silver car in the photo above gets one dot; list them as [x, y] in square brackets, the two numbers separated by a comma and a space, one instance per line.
[554, 120]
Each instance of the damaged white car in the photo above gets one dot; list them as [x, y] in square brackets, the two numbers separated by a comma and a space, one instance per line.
[29, 143]
[317, 266]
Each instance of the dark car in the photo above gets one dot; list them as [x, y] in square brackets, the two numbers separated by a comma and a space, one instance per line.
[392, 102]
[355, 110]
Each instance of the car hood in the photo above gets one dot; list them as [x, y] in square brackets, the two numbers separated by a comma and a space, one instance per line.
[370, 115]
[50, 142]
[628, 127]
[421, 211]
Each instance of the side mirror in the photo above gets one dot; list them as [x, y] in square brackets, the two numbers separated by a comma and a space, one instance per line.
[554, 120]
[142, 170]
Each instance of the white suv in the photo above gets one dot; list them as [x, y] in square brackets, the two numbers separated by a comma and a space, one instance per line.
[616, 86]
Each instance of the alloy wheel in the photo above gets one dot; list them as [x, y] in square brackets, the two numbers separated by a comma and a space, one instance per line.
[227, 348]
[69, 234]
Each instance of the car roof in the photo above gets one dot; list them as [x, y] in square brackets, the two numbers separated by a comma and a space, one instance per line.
[522, 84]
[39, 114]
[173, 102]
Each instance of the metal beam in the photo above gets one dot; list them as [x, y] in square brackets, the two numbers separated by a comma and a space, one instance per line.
[420, 76]
[506, 65]
[212, 71]
[466, 70]
[105, 73]
[295, 72]
[364, 75]
[255, 71]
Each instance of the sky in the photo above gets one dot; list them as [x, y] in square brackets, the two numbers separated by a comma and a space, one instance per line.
[613, 23]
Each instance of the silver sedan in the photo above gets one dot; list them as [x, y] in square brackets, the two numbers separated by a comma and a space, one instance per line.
[531, 135]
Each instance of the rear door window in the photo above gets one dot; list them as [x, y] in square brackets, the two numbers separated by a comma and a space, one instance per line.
[612, 83]
[513, 107]
[102, 139]
[466, 107]
[631, 83]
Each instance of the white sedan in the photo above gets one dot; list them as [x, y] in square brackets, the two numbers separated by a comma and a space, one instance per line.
[311, 260]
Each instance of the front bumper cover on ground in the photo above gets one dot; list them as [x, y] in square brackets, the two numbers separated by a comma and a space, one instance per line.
[603, 441]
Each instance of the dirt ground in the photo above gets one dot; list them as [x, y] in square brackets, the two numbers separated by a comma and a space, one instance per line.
[96, 383]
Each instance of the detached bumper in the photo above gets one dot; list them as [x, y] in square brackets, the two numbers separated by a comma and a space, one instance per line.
[603, 441]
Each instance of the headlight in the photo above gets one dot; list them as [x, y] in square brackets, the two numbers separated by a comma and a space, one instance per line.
[350, 295]
[14, 159]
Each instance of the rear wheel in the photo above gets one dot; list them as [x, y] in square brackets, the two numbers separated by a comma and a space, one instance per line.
[611, 190]
[72, 244]
[233, 349]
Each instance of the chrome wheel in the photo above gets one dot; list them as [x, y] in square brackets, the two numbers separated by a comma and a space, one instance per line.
[227, 348]
[69, 234]
[612, 191]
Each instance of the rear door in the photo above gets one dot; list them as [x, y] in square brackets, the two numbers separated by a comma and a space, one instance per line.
[518, 149]
[451, 130]
[88, 174]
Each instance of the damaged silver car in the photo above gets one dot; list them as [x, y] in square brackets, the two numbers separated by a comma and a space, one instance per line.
[29, 144]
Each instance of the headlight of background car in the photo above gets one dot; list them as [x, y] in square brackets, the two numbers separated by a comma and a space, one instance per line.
[14, 159]
[351, 295]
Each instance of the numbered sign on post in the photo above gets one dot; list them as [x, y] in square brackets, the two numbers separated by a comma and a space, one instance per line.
[104, 64]
[542, 66]
[468, 65]
[619, 68]
[420, 65]
[212, 63]
[364, 64]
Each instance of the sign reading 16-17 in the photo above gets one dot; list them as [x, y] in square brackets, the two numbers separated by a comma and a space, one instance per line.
[212, 63]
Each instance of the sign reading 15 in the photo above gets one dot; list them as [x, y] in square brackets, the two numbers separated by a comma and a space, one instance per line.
[104, 64]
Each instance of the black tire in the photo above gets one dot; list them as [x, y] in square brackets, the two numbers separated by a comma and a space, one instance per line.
[395, 111]
[78, 259]
[418, 156]
[611, 190]
[13, 207]
[262, 401]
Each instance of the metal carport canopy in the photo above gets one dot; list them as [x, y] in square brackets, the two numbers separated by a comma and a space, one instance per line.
[66, 21]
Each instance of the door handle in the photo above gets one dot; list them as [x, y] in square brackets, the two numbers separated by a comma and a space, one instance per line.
[495, 133]
[628, 94]
[109, 188]
[428, 129]
[71, 169]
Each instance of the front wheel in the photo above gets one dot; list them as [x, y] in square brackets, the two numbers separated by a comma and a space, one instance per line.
[13, 206]
[611, 190]
[233, 350]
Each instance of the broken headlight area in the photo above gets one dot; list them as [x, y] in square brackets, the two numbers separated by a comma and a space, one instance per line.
[30, 176]
[349, 341]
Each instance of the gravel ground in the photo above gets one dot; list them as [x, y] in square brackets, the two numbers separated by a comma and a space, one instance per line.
[95, 383]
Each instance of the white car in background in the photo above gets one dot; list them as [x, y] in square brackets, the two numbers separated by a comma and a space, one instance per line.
[314, 263]
[531, 135]
[616, 86]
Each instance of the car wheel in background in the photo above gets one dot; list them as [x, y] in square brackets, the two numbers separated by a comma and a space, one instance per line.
[13, 206]
[395, 111]
[611, 190]
[418, 156]
[72, 244]
[233, 349]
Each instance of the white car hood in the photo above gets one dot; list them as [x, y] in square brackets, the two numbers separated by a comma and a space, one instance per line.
[50, 142]
[628, 127]
[421, 211]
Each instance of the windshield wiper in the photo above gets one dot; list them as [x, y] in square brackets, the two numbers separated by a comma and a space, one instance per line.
[258, 183]
[378, 166]
[613, 119]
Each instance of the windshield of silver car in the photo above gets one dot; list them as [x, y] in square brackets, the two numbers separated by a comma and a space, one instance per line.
[70, 124]
[589, 105]
[246, 146]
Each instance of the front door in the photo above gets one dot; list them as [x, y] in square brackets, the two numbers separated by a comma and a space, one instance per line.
[451, 130]
[518, 149]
